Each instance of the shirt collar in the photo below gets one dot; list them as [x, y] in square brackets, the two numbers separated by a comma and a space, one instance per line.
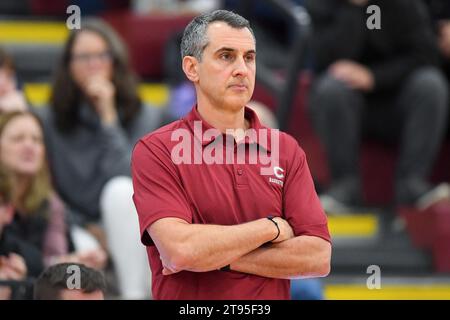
[249, 115]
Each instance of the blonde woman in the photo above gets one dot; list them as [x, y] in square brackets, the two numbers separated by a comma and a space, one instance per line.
[39, 216]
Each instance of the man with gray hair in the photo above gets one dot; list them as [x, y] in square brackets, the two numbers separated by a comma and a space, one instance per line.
[221, 229]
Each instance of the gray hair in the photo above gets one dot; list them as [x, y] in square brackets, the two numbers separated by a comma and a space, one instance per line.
[194, 39]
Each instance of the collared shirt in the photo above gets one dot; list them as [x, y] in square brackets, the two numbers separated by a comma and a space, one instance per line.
[172, 179]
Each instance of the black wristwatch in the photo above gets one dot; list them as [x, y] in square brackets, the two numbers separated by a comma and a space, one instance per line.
[276, 224]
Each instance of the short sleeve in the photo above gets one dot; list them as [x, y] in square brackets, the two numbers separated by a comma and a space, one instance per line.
[302, 208]
[158, 191]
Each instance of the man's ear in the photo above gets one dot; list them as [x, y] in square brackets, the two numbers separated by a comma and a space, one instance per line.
[190, 65]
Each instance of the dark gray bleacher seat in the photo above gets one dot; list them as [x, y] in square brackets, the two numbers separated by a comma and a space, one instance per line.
[15, 7]
[34, 62]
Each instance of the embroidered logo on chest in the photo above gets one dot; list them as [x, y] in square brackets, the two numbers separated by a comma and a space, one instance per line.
[279, 174]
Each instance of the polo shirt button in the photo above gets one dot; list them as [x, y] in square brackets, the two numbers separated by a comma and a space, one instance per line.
[240, 172]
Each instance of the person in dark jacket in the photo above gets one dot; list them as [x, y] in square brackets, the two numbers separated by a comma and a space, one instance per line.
[440, 16]
[380, 83]
[18, 258]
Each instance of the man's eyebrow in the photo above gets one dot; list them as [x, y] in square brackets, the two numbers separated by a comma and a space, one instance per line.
[226, 49]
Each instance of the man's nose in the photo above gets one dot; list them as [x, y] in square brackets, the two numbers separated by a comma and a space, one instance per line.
[241, 68]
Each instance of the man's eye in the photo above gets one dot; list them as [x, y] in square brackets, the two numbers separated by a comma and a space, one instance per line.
[226, 56]
[250, 58]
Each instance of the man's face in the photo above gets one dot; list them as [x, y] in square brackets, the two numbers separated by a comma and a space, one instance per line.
[226, 72]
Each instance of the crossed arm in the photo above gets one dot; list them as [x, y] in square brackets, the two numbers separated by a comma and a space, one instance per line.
[201, 248]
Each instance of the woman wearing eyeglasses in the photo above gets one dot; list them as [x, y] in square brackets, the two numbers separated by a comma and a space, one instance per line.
[91, 126]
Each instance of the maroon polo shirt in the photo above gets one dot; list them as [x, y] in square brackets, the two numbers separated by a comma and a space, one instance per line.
[224, 194]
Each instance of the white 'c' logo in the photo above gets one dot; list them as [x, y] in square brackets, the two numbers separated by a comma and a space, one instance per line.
[278, 172]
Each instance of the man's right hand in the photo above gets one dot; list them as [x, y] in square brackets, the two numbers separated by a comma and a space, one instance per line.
[286, 231]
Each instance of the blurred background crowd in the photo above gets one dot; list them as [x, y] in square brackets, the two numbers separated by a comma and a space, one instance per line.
[368, 102]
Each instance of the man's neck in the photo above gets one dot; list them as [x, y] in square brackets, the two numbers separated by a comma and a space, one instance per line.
[223, 119]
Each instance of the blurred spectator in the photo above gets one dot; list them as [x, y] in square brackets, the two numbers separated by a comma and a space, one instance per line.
[11, 98]
[440, 15]
[88, 7]
[13, 265]
[377, 83]
[39, 217]
[53, 283]
[91, 126]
